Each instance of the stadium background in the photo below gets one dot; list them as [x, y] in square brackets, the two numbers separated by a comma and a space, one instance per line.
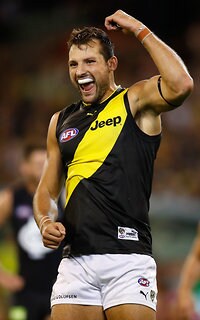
[34, 84]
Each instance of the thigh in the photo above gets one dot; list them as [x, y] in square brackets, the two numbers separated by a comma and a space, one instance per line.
[130, 312]
[77, 312]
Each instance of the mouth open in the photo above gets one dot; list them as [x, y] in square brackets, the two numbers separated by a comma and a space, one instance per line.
[86, 84]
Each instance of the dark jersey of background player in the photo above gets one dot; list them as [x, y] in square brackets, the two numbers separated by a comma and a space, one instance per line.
[36, 264]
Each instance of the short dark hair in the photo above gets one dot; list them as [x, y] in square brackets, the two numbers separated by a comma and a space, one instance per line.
[30, 147]
[87, 34]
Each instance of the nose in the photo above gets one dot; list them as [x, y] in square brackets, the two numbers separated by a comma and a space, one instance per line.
[80, 70]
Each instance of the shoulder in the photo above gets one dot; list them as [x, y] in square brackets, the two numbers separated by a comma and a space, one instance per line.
[53, 123]
[54, 118]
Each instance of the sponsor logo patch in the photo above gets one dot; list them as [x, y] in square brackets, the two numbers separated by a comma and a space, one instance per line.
[126, 233]
[64, 296]
[144, 294]
[68, 134]
[109, 122]
[144, 282]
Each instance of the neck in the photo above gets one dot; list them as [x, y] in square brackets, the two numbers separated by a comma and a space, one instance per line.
[110, 92]
[107, 96]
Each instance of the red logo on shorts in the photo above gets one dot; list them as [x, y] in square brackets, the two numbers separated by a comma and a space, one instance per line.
[68, 134]
[144, 282]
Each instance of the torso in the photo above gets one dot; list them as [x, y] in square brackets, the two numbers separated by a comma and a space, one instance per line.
[109, 168]
[34, 258]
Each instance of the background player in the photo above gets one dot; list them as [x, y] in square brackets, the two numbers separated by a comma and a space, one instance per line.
[37, 264]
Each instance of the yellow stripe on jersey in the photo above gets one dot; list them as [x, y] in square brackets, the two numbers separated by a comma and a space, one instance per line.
[96, 143]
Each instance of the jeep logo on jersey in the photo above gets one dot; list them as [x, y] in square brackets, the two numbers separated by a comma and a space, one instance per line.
[109, 122]
[68, 134]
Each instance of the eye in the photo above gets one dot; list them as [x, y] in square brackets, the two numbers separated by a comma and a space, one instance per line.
[72, 64]
[90, 61]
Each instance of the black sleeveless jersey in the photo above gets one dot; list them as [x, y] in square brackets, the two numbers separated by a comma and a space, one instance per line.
[37, 264]
[109, 168]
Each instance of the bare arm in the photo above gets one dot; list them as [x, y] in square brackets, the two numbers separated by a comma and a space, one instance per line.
[190, 274]
[176, 83]
[48, 191]
[10, 281]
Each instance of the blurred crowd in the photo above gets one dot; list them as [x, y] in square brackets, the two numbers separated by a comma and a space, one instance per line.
[35, 84]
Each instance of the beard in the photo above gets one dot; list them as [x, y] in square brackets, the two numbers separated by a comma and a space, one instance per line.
[99, 95]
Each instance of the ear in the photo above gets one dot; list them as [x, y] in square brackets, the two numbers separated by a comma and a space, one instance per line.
[112, 63]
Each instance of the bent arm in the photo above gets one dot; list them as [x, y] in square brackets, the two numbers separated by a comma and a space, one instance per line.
[48, 191]
[176, 82]
[189, 276]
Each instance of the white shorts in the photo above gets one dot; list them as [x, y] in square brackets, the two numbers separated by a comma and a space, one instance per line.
[106, 280]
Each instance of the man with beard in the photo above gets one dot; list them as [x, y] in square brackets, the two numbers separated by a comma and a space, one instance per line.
[104, 146]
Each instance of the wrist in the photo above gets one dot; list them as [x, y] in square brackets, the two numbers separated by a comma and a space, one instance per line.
[42, 222]
[142, 33]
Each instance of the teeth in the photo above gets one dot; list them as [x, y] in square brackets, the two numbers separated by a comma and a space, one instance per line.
[83, 81]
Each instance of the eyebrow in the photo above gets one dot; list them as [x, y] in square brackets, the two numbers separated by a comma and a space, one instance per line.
[85, 59]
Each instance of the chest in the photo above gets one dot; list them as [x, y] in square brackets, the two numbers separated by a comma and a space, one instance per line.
[91, 134]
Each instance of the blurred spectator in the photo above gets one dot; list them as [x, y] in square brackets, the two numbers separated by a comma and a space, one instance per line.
[31, 287]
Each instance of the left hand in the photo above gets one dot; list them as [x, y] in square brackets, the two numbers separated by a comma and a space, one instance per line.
[122, 20]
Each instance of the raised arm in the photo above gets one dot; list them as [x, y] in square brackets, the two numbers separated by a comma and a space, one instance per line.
[48, 191]
[190, 274]
[175, 83]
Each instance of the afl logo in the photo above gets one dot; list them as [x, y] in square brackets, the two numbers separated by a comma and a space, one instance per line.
[144, 282]
[68, 134]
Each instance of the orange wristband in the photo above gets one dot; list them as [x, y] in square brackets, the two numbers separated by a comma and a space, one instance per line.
[143, 34]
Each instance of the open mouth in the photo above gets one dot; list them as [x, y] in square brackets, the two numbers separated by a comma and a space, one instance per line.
[86, 84]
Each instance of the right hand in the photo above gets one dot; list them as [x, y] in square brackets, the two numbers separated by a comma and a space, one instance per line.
[126, 22]
[52, 234]
[11, 282]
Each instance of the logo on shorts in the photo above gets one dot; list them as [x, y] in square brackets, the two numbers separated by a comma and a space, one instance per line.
[144, 294]
[126, 233]
[152, 295]
[64, 296]
[68, 134]
[144, 282]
